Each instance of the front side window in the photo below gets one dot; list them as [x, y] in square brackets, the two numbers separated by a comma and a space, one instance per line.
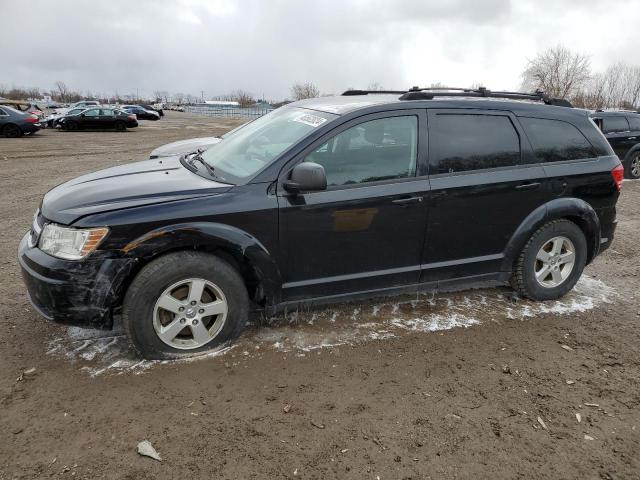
[614, 124]
[377, 150]
[254, 146]
[91, 113]
[555, 140]
[462, 142]
[634, 123]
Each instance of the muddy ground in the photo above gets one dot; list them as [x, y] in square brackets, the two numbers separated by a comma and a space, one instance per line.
[476, 384]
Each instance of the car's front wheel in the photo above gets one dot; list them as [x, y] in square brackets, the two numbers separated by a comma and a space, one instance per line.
[11, 131]
[551, 262]
[184, 303]
[632, 166]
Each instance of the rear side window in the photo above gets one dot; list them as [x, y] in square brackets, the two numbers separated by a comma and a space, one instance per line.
[461, 142]
[614, 124]
[634, 123]
[555, 140]
[2, 112]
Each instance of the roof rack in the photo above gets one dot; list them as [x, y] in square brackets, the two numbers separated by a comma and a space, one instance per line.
[429, 93]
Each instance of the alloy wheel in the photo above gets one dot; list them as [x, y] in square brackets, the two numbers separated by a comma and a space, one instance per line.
[554, 262]
[190, 313]
[635, 166]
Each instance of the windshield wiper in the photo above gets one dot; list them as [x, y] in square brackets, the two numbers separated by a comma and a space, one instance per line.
[197, 157]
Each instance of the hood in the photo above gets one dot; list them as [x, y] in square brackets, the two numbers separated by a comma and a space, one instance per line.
[126, 186]
[184, 146]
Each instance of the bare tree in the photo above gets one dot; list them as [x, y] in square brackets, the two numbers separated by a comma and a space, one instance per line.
[300, 91]
[557, 71]
[63, 90]
[245, 99]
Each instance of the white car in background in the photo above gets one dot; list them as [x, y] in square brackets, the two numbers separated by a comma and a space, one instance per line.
[191, 145]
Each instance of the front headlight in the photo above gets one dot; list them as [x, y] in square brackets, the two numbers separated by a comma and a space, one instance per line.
[70, 243]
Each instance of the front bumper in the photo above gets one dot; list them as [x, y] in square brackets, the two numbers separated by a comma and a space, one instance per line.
[81, 293]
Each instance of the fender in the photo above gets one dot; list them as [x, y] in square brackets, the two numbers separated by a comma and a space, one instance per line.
[631, 151]
[571, 208]
[210, 236]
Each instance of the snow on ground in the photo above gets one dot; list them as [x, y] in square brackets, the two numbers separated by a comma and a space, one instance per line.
[301, 332]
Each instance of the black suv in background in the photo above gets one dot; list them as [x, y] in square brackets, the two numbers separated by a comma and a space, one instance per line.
[325, 200]
[622, 130]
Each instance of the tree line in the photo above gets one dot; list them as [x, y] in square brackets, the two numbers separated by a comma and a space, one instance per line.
[561, 73]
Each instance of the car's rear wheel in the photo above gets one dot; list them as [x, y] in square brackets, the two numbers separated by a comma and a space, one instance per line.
[551, 262]
[184, 303]
[632, 166]
[11, 131]
[121, 126]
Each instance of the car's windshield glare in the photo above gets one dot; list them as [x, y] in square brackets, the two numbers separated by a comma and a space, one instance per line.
[255, 145]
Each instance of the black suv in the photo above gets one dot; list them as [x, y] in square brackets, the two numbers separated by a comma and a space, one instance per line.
[622, 130]
[325, 200]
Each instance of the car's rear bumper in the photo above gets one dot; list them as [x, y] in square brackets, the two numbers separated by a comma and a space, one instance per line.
[82, 293]
[29, 127]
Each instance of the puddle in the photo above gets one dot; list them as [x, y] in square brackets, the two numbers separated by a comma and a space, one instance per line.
[99, 352]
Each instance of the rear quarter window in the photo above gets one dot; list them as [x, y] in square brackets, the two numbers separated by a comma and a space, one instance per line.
[555, 140]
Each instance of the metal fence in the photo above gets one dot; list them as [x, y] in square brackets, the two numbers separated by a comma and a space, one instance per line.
[251, 112]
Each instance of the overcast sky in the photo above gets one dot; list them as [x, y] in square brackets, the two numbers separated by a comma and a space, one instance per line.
[264, 46]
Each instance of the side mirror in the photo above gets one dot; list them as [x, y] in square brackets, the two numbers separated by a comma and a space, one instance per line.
[306, 177]
[82, 114]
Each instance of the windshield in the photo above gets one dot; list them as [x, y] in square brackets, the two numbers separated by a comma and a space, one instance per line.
[255, 145]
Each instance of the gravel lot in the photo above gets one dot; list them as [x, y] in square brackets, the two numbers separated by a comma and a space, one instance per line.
[475, 384]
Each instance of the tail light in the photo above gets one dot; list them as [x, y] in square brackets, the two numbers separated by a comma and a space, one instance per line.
[31, 119]
[132, 116]
[618, 174]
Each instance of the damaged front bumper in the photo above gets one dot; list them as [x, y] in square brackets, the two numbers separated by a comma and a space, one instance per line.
[81, 293]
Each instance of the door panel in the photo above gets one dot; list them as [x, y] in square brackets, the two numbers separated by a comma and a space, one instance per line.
[474, 210]
[366, 231]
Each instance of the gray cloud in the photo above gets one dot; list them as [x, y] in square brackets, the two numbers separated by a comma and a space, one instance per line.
[264, 46]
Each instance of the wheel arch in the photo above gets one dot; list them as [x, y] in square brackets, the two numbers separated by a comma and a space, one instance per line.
[573, 209]
[242, 250]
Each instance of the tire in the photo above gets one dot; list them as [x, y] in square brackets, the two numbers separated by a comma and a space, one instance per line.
[11, 131]
[121, 127]
[70, 126]
[632, 166]
[172, 278]
[531, 280]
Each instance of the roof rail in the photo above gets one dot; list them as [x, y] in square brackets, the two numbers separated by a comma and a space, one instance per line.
[429, 93]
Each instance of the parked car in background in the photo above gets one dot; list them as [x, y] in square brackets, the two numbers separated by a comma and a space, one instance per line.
[141, 113]
[325, 200]
[154, 108]
[14, 123]
[24, 106]
[53, 120]
[191, 145]
[622, 131]
[102, 118]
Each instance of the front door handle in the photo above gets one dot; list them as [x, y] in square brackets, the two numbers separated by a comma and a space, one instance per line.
[632, 138]
[528, 186]
[407, 201]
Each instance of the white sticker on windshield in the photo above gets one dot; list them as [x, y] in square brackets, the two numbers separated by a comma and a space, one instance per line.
[311, 120]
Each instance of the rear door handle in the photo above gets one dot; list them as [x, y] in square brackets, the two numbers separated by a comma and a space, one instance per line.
[632, 138]
[407, 201]
[528, 186]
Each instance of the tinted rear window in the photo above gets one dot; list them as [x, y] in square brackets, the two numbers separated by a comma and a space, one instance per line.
[614, 124]
[555, 140]
[634, 122]
[460, 142]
